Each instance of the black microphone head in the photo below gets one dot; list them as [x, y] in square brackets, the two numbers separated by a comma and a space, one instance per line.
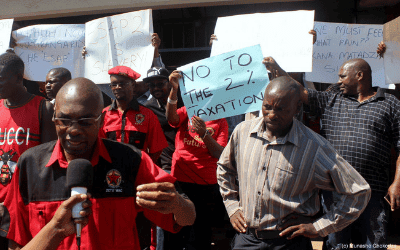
[79, 173]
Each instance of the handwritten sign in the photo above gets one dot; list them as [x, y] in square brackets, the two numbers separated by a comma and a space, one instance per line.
[391, 37]
[43, 47]
[225, 85]
[5, 34]
[119, 40]
[282, 35]
[338, 42]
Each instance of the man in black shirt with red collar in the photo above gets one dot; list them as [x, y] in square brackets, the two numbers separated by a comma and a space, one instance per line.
[125, 180]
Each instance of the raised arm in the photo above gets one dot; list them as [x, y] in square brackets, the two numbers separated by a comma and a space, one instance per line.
[276, 71]
[172, 115]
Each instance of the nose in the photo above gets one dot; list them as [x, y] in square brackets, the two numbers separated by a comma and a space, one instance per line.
[48, 85]
[74, 129]
[272, 115]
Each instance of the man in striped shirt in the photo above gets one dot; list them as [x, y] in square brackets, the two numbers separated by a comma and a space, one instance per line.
[271, 172]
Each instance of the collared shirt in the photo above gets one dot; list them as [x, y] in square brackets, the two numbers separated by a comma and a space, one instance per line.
[120, 168]
[137, 126]
[58, 154]
[158, 108]
[362, 133]
[144, 98]
[284, 176]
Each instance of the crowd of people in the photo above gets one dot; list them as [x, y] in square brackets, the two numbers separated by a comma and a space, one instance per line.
[278, 182]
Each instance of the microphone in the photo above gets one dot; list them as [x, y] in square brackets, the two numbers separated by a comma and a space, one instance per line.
[79, 179]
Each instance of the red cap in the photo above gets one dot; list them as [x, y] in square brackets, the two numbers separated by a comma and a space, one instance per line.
[124, 71]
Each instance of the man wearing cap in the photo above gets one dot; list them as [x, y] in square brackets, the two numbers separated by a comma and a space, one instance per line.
[141, 90]
[127, 121]
[157, 80]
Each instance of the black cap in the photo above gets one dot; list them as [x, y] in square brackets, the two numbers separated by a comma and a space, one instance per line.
[156, 73]
[79, 173]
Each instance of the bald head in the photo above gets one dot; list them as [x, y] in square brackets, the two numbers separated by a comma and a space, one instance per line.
[283, 86]
[81, 91]
[281, 102]
[360, 65]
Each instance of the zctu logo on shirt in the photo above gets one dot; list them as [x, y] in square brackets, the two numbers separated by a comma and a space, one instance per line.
[7, 167]
[114, 179]
[11, 135]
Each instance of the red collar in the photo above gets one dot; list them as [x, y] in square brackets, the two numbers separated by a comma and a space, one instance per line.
[58, 154]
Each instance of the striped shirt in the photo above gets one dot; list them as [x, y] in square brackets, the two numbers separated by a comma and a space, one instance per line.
[271, 180]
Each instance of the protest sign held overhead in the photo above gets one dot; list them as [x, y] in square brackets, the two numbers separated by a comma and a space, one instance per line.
[119, 40]
[43, 47]
[391, 37]
[5, 34]
[282, 35]
[338, 42]
[229, 84]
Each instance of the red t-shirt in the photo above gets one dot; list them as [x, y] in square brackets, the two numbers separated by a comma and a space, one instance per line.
[191, 161]
[19, 130]
[113, 222]
[137, 126]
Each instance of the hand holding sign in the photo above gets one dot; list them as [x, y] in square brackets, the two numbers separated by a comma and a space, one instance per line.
[225, 85]
[174, 79]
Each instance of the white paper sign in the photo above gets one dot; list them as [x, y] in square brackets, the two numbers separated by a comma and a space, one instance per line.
[5, 34]
[119, 40]
[391, 37]
[282, 35]
[338, 42]
[43, 47]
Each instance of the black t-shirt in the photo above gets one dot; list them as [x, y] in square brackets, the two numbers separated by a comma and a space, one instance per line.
[158, 109]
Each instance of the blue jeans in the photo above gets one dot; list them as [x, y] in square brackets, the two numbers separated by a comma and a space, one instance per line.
[367, 232]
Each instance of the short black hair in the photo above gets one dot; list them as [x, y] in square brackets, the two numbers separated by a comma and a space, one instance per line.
[63, 73]
[12, 62]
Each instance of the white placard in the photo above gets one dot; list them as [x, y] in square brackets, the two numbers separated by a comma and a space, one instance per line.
[5, 34]
[338, 42]
[282, 35]
[43, 47]
[391, 37]
[119, 40]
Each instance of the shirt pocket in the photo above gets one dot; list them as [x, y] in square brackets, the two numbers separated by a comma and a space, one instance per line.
[39, 215]
[284, 177]
[137, 139]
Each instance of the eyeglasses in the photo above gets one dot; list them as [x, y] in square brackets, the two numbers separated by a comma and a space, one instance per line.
[83, 122]
[121, 84]
[158, 84]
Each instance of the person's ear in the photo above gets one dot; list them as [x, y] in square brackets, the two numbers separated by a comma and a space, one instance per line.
[20, 77]
[360, 75]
